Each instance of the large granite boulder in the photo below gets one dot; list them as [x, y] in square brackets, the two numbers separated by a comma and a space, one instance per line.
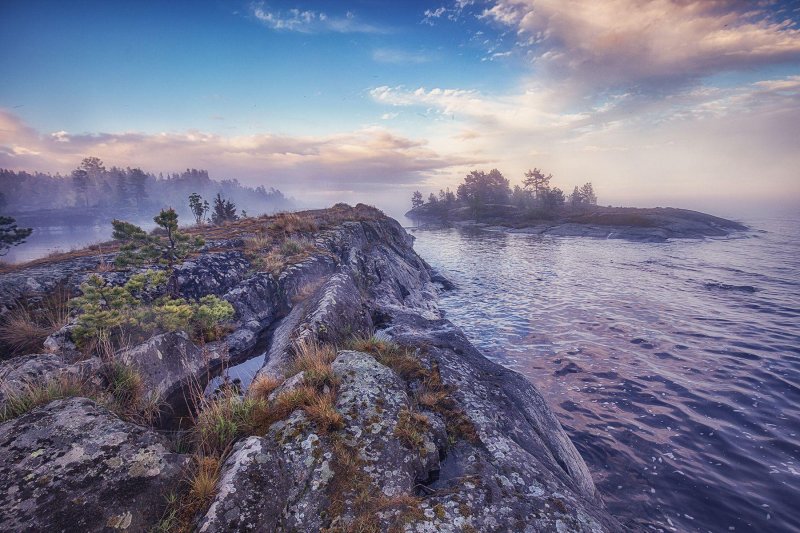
[71, 465]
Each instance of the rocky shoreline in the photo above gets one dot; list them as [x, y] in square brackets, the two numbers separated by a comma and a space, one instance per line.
[635, 224]
[423, 433]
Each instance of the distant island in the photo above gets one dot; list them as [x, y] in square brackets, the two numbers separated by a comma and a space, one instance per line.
[485, 199]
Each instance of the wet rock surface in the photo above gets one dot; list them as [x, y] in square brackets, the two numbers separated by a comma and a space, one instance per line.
[74, 466]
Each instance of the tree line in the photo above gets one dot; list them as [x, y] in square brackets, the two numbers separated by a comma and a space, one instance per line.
[93, 185]
[481, 189]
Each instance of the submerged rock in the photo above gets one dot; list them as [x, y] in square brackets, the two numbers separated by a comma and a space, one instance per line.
[71, 465]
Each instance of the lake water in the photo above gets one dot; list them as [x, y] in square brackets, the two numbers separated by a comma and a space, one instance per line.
[674, 367]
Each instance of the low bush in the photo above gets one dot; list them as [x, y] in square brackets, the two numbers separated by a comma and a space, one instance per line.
[139, 309]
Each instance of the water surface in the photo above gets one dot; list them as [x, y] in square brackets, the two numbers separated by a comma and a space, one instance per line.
[674, 367]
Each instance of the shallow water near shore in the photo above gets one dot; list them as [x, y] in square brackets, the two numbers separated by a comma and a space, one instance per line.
[674, 367]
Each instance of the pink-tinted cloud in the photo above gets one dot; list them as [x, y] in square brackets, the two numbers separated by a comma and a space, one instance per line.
[627, 42]
[368, 159]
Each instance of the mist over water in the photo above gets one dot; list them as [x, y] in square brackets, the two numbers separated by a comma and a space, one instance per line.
[674, 367]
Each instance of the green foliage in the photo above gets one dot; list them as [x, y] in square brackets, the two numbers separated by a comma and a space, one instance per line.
[224, 211]
[139, 308]
[11, 235]
[481, 188]
[140, 248]
[199, 207]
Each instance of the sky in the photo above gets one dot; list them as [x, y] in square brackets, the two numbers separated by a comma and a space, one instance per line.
[689, 103]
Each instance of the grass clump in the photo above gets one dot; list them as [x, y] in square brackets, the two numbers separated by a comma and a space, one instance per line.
[289, 401]
[262, 386]
[126, 396]
[400, 359]
[199, 487]
[223, 420]
[410, 429]
[438, 397]
[293, 223]
[258, 241]
[36, 394]
[314, 360]
[25, 328]
[322, 411]
[352, 493]
[433, 394]
[289, 251]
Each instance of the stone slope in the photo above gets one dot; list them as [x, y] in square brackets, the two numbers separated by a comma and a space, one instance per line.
[486, 454]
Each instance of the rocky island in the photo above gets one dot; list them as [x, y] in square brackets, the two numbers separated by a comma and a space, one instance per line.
[370, 412]
[656, 224]
[486, 200]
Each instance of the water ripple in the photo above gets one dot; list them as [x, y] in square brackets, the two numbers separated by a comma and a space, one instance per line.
[674, 367]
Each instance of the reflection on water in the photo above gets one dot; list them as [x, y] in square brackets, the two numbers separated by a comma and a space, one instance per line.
[48, 239]
[674, 367]
[62, 238]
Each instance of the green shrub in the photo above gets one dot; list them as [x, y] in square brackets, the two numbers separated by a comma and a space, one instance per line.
[135, 310]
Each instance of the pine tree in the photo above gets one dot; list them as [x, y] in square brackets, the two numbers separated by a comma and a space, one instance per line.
[139, 247]
[224, 210]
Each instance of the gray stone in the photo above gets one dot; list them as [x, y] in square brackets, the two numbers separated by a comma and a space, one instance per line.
[73, 466]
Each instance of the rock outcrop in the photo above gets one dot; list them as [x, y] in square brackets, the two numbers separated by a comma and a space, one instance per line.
[443, 440]
[72, 465]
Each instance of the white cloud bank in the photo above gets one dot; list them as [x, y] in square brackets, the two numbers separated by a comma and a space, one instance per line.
[350, 165]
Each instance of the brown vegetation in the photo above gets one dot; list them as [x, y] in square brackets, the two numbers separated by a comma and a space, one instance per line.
[25, 328]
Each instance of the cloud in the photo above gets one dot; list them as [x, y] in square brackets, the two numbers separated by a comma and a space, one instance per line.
[430, 15]
[308, 21]
[368, 159]
[628, 42]
[697, 144]
[400, 57]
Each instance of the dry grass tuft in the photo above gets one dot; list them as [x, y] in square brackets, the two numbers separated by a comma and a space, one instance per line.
[352, 494]
[400, 359]
[323, 413]
[199, 487]
[203, 482]
[410, 429]
[293, 223]
[314, 359]
[25, 328]
[286, 402]
[36, 394]
[263, 386]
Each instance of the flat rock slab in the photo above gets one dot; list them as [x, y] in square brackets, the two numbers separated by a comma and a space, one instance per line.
[72, 465]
